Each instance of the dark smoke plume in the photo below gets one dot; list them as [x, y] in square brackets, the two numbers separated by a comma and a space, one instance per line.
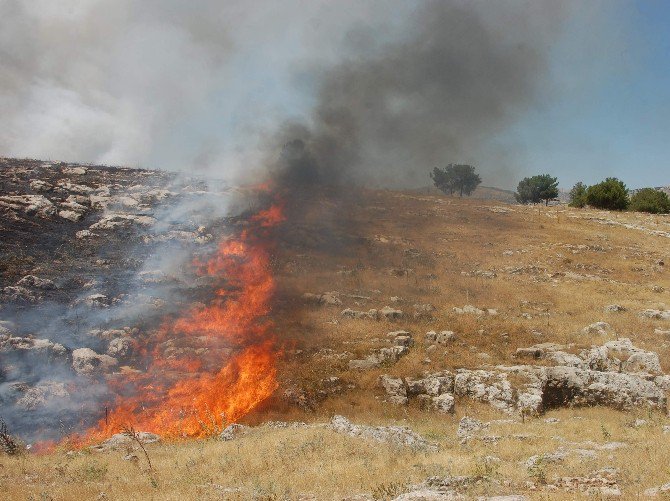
[385, 114]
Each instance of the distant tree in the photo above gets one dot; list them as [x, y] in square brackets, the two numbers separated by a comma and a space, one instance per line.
[442, 180]
[610, 194]
[578, 195]
[456, 178]
[536, 189]
[650, 200]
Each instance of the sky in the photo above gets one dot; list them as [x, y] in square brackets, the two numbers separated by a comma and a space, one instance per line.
[612, 117]
[579, 90]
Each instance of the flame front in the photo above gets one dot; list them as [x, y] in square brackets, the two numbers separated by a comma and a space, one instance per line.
[192, 395]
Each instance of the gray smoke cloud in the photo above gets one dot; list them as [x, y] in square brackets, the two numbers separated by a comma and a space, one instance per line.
[378, 92]
[458, 74]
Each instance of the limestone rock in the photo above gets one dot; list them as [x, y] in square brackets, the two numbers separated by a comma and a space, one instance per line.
[399, 436]
[395, 389]
[87, 362]
[233, 431]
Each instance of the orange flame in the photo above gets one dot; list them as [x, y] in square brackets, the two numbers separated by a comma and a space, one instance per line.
[179, 396]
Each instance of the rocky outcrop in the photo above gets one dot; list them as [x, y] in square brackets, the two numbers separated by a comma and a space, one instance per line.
[379, 358]
[112, 221]
[28, 346]
[573, 386]
[468, 309]
[527, 389]
[87, 362]
[233, 431]
[401, 342]
[399, 436]
[42, 394]
[656, 314]
[598, 329]
[123, 441]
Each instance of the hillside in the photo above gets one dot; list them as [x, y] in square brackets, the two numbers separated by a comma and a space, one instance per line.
[407, 345]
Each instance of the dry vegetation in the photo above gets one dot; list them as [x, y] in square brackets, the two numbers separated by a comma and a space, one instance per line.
[551, 272]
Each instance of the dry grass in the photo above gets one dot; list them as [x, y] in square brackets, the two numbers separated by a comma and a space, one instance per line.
[287, 463]
[571, 266]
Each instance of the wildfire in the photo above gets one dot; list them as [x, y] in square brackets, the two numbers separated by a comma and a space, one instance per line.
[182, 396]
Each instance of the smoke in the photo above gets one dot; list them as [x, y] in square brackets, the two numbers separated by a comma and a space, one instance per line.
[385, 114]
[377, 92]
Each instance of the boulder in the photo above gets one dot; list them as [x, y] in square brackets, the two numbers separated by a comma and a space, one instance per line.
[663, 490]
[70, 215]
[120, 347]
[42, 394]
[468, 426]
[443, 403]
[442, 337]
[395, 389]
[18, 294]
[468, 309]
[124, 441]
[598, 329]
[30, 205]
[233, 431]
[31, 281]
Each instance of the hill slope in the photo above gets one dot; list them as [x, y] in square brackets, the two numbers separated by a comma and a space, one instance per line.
[526, 346]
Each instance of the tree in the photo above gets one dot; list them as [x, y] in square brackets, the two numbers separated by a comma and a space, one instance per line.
[610, 194]
[650, 200]
[578, 195]
[456, 178]
[536, 189]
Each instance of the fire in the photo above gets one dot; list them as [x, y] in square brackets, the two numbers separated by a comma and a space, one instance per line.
[190, 395]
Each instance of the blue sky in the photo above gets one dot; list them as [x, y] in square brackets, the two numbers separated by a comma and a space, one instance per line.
[611, 113]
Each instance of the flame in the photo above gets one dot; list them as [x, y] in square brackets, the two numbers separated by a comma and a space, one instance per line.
[181, 395]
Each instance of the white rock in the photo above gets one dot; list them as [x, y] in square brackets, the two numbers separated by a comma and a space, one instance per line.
[87, 362]
[70, 215]
[598, 328]
[395, 435]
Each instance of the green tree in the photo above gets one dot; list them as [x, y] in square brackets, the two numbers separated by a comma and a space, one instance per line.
[536, 189]
[578, 195]
[610, 194]
[650, 200]
[456, 178]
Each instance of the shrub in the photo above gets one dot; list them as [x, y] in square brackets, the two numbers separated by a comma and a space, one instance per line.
[610, 194]
[578, 195]
[650, 200]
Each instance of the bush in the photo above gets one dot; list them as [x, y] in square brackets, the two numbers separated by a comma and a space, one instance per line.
[578, 195]
[610, 194]
[541, 188]
[650, 200]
